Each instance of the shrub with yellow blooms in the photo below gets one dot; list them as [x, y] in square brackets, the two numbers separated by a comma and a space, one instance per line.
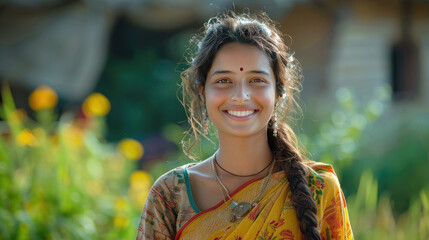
[60, 179]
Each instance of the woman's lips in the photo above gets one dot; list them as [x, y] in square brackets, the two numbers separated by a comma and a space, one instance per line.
[241, 114]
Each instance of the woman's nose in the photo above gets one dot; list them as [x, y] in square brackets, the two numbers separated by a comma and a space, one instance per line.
[241, 93]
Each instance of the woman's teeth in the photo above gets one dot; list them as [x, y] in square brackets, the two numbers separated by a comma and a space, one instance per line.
[241, 113]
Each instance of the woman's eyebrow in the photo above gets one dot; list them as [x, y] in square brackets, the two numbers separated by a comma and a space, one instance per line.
[252, 71]
[221, 72]
[259, 72]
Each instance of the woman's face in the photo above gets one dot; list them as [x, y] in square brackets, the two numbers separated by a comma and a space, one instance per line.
[240, 90]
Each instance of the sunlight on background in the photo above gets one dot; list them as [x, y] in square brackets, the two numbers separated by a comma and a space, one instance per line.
[90, 116]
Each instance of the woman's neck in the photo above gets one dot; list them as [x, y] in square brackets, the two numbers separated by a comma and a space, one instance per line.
[244, 156]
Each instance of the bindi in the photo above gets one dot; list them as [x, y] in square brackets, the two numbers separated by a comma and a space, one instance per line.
[241, 69]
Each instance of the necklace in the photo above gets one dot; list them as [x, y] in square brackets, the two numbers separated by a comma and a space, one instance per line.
[236, 175]
[239, 209]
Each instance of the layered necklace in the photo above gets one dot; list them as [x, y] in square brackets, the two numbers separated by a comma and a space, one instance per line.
[240, 209]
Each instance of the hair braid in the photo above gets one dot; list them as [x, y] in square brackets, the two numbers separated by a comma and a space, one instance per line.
[296, 172]
[306, 209]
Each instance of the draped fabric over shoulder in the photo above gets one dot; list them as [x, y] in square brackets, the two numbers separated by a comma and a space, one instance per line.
[274, 217]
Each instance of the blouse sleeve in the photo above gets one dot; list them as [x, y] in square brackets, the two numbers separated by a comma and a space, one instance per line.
[158, 218]
[335, 222]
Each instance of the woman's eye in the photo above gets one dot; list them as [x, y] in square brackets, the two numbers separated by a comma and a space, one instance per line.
[224, 80]
[258, 80]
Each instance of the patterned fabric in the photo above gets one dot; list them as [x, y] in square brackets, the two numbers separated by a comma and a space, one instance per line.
[171, 213]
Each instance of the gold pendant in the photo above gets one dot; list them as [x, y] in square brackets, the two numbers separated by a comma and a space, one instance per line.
[240, 209]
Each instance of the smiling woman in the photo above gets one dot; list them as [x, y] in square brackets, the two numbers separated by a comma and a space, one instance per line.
[258, 184]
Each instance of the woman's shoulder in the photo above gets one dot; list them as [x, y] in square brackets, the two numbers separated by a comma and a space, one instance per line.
[170, 190]
[172, 179]
[320, 169]
[322, 179]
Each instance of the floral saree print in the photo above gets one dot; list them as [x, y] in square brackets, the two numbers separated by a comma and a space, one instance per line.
[171, 212]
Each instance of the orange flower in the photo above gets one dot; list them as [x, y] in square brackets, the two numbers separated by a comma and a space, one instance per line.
[43, 97]
[131, 149]
[96, 105]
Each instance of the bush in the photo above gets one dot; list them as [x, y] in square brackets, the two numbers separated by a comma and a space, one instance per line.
[60, 180]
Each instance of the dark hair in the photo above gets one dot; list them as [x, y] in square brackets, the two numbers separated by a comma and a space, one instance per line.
[261, 32]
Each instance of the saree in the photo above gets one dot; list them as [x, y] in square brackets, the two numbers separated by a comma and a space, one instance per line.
[274, 217]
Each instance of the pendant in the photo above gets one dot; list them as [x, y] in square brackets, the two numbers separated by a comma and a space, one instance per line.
[233, 204]
[241, 209]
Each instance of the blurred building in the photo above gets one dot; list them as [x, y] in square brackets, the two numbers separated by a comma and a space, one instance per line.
[362, 44]
[358, 44]
[64, 44]
[354, 44]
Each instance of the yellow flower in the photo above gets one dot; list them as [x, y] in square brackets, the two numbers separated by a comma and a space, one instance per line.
[131, 149]
[140, 182]
[121, 221]
[43, 97]
[26, 138]
[96, 105]
[121, 204]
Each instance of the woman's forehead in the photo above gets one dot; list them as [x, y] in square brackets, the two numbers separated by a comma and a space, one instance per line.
[238, 57]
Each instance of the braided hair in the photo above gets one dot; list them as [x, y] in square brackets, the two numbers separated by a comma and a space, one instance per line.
[261, 32]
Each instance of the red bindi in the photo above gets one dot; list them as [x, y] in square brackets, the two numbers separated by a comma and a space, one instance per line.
[241, 69]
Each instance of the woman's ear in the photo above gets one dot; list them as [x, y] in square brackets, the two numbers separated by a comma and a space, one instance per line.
[281, 95]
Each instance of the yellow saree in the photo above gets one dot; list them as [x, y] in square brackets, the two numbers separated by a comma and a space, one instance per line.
[171, 213]
[274, 217]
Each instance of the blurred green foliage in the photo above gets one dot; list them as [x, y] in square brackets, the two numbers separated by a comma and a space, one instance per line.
[397, 152]
[60, 180]
[141, 78]
[373, 217]
[337, 139]
[63, 180]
